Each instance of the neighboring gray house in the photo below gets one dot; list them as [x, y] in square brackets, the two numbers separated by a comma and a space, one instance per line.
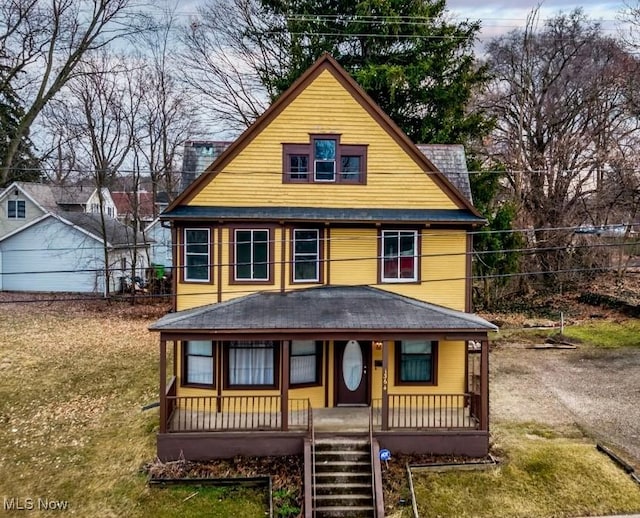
[64, 252]
[51, 240]
[24, 202]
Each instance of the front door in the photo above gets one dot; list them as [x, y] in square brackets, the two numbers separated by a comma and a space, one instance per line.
[352, 360]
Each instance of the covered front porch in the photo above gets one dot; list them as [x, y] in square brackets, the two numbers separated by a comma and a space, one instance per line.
[410, 417]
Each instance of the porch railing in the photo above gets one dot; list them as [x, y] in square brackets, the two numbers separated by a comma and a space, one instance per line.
[428, 411]
[169, 401]
[236, 413]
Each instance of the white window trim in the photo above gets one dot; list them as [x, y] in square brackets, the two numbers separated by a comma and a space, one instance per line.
[208, 254]
[296, 256]
[416, 258]
[186, 357]
[16, 209]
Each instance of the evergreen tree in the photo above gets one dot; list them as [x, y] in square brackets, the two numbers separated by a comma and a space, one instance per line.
[496, 246]
[418, 66]
[25, 166]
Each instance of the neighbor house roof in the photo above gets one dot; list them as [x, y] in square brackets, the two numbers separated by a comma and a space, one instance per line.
[326, 63]
[118, 234]
[124, 205]
[327, 309]
[54, 198]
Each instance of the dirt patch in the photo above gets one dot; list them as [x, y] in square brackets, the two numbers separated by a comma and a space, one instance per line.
[597, 390]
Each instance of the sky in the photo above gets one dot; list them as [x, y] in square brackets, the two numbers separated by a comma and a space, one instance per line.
[498, 17]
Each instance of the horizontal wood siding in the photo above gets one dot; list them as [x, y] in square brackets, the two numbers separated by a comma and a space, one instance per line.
[442, 269]
[254, 177]
[32, 212]
[314, 394]
[353, 261]
[353, 256]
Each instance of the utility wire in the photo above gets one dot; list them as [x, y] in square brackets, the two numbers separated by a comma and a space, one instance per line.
[115, 270]
[368, 239]
[250, 290]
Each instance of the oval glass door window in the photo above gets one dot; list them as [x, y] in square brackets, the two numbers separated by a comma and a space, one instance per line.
[352, 365]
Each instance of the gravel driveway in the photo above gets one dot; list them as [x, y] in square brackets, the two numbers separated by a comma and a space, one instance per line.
[599, 390]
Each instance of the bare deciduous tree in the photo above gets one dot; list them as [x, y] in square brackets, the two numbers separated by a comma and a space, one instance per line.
[223, 58]
[561, 100]
[44, 42]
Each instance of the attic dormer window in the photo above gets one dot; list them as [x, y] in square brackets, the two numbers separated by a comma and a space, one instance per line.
[16, 209]
[324, 160]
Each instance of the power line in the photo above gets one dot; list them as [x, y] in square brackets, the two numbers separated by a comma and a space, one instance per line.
[260, 289]
[427, 233]
[113, 271]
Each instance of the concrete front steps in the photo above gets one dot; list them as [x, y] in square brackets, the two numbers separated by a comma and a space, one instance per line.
[343, 478]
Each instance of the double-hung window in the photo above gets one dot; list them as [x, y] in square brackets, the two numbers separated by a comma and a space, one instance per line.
[399, 256]
[306, 255]
[197, 252]
[16, 209]
[305, 362]
[198, 363]
[324, 159]
[251, 364]
[252, 252]
[416, 361]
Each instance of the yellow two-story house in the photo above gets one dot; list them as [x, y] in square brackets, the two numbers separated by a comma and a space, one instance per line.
[322, 286]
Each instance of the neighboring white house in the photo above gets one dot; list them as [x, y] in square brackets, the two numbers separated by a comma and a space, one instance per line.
[65, 253]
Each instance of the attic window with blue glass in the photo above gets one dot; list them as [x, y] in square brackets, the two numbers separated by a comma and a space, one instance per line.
[324, 159]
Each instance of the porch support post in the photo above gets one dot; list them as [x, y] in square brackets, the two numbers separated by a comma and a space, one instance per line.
[484, 386]
[163, 386]
[385, 385]
[285, 385]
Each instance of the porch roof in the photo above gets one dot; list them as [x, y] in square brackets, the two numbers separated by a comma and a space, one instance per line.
[328, 310]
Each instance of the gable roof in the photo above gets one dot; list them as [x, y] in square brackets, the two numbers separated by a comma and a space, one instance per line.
[52, 198]
[325, 63]
[335, 309]
[40, 194]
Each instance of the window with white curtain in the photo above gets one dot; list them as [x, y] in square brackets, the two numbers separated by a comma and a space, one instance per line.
[303, 367]
[252, 363]
[198, 362]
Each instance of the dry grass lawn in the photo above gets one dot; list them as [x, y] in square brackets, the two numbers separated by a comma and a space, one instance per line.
[76, 376]
[74, 380]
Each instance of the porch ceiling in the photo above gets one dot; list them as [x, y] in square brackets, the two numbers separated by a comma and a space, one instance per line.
[327, 309]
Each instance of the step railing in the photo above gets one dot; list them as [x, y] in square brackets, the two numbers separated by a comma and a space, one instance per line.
[376, 472]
